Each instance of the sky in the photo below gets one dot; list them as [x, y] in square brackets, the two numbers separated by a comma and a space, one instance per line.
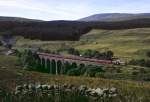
[69, 9]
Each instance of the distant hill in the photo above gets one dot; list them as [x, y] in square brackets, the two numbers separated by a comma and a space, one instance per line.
[115, 17]
[3, 18]
[64, 30]
[45, 30]
[117, 25]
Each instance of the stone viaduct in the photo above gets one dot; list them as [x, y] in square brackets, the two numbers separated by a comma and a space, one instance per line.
[54, 64]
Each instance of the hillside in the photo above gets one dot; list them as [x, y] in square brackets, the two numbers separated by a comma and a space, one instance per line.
[45, 30]
[19, 19]
[64, 30]
[130, 43]
[127, 43]
[115, 17]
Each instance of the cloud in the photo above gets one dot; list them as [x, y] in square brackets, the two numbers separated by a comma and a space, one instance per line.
[68, 9]
[54, 10]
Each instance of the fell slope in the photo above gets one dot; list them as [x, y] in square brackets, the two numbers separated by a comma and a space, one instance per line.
[19, 19]
[64, 30]
[130, 43]
[115, 17]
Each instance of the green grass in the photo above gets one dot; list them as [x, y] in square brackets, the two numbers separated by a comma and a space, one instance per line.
[49, 45]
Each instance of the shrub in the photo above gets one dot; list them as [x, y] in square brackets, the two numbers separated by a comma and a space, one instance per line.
[100, 74]
[92, 70]
[28, 59]
[135, 73]
[73, 72]
[73, 51]
[148, 63]
[148, 53]
[109, 54]
[96, 54]
[118, 70]
[142, 70]
[140, 62]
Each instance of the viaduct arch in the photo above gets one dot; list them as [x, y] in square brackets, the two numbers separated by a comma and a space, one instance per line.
[57, 64]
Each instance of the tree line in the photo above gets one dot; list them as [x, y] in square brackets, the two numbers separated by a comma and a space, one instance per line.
[108, 55]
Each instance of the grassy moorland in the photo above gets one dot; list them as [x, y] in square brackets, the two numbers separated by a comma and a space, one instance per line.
[131, 43]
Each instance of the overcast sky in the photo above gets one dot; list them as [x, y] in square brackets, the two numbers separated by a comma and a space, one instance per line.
[69, 9]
